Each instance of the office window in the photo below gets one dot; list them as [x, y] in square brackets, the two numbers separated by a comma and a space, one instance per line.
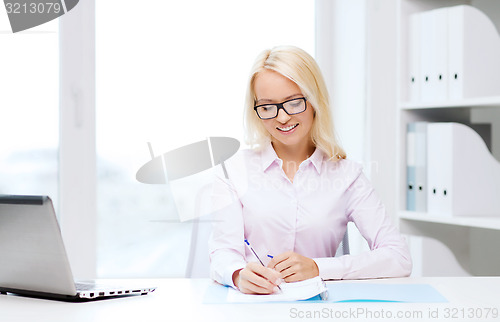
[171, 73]
[29, 107]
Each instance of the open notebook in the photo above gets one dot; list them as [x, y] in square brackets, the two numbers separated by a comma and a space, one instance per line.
[295, 291]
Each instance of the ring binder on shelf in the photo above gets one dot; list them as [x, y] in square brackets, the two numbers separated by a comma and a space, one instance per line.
[463, 176]
[474, 51]
[416, 167]
[410, 168]
[414, 58]
[453, 52]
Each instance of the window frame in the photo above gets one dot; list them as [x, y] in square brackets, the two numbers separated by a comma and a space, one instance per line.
[77, 145]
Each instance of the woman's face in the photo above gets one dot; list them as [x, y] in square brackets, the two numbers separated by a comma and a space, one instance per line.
[291, 130]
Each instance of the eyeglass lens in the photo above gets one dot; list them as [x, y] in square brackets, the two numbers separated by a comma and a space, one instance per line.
[270, 111]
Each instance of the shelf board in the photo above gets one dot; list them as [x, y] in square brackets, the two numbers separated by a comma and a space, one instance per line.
[475, 222]
[491, 101]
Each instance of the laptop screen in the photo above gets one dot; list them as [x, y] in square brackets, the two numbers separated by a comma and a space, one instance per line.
[31, 247]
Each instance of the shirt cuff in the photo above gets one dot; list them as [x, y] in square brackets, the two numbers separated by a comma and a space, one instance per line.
[330, 268]
[228, 273]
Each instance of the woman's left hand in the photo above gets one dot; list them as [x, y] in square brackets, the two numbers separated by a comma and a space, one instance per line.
[294, 267]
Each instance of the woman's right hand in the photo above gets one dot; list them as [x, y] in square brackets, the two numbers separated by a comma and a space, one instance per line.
[256, 279]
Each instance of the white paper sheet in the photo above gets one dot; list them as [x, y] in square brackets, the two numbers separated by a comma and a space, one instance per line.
[295, 291]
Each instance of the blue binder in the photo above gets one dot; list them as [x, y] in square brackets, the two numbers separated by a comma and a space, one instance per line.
[421, 166]
[416, 167]
[410, 167]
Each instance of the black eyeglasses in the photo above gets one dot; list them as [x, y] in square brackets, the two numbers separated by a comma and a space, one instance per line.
[291, 107]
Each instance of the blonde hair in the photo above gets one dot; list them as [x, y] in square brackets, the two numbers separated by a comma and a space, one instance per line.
[298, 66]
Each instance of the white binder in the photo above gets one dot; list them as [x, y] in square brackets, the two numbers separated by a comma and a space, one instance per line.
[439, 168]
[440, 68]
[474, 51]
[434, 55]
[463, 177]
[414, 58]
[427, 58]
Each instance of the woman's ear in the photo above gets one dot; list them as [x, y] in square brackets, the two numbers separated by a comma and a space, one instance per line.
[311, 106]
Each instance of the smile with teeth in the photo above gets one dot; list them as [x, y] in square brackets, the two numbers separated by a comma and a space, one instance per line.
[288, 128]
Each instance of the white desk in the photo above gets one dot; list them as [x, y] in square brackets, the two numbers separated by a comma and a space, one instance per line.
[182, 300]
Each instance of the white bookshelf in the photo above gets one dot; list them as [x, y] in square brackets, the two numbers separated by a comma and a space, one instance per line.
[492, 223]
[468, 238]
[476, 102]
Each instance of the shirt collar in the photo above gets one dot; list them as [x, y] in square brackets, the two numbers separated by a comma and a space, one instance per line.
[317, 159]
[270, 157]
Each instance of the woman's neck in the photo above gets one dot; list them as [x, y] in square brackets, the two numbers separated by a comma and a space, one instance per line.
[292, 156]
[294, 153]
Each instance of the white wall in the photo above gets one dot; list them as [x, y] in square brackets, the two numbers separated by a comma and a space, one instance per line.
[341, 55]
[382, 99]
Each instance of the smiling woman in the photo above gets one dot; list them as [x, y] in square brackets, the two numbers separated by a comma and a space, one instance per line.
[291, 133]
[293, 194]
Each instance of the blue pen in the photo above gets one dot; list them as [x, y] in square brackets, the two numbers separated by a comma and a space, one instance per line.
[271, 256]
[248, 244]
[250, 247]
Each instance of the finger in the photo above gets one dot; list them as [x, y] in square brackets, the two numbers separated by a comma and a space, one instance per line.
[272, 263]
[286, 273]
[278, 259]
[259, 281]
[250, 282]
[293, 278]
[269, 274]
[284, 265]
[248, 287]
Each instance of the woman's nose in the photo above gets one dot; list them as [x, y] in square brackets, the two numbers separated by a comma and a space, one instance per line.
[282, 116]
